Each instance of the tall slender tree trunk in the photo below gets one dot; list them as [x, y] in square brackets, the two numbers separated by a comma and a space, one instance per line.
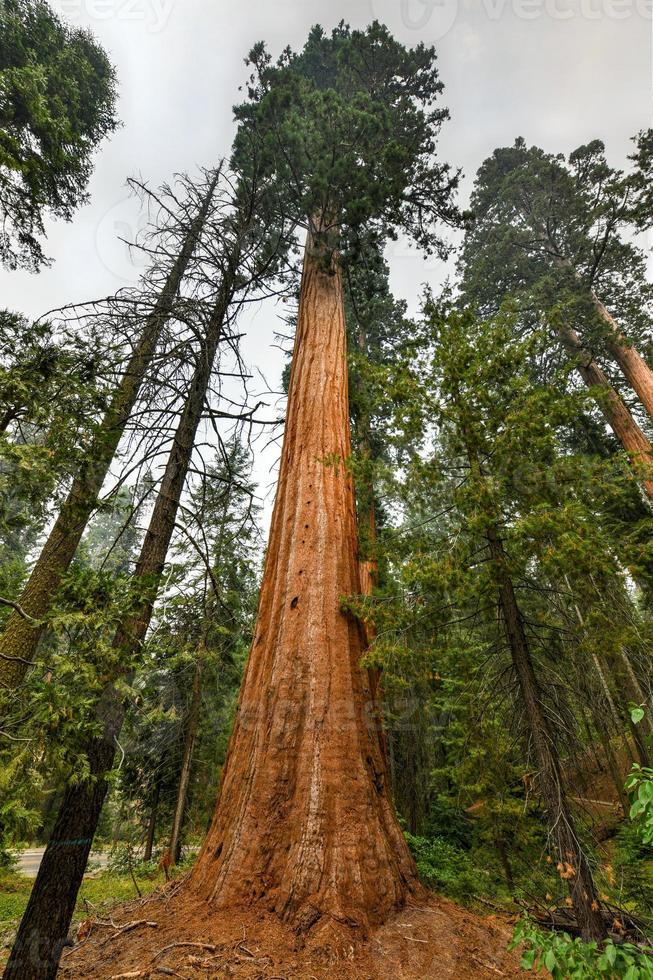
[615, 412]
[617, 778]
[304, 824]
[20, 638]
[643, 753]
[573, 863]
[45, 923]
[607, 694]
[590, 737]
[502, 851]
[151, 824]
[187, 760]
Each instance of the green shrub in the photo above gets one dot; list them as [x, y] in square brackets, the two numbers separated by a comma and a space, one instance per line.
[445, 867]
[572, 959]
[639, 786]
[124, 859]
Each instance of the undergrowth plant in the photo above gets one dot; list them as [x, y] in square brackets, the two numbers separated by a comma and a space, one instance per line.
[572, 959]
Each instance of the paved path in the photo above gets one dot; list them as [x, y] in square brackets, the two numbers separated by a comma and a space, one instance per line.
[29, 861]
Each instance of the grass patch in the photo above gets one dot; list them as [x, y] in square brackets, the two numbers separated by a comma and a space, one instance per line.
[96, 898]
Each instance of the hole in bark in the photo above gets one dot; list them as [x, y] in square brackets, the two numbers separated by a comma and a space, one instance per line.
[306, 527]
[293, 604]
[301, 571]
[307, 919]
[377, 778]
[218, 852]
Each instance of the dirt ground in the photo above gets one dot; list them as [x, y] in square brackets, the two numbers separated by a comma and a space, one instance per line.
[168, 935]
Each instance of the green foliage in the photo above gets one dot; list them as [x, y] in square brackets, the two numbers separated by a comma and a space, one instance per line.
[355, 118]
[123, 860]
[446, 868]
[494, 449]
[57, 103]
[550, 234]
[632, 870]
[640, 787]
[206, 624]
[572, 959]
[641, 180]
[100, 893]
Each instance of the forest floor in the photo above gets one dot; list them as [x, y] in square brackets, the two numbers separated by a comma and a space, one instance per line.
[167, 934]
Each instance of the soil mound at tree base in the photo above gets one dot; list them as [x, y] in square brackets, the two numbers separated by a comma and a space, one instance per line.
[435, 940]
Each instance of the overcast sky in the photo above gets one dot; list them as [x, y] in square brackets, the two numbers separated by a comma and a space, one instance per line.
[557, 72]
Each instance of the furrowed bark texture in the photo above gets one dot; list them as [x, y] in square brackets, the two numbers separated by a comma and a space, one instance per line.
[304, 824]
[614, 410]
[573, 863]
[20, 637]
[45, 923]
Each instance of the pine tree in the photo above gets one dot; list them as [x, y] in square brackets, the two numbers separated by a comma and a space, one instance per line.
[481, 589]
[641, 212]
[20, 637]
[250, 250]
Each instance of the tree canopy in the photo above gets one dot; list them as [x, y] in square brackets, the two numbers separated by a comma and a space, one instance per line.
[57, 103]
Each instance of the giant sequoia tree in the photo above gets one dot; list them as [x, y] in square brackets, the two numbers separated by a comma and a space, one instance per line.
[304, 822]
[58, 103]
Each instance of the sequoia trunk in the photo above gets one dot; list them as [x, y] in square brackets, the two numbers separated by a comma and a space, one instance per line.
[614, 410]
[633, 366]
[20, 637]
[304, 824]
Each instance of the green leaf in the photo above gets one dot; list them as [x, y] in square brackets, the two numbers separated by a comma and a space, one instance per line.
[528, 959]
[636, 715]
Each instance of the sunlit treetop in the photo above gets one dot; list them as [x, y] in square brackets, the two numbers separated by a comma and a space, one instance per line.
[349, 128]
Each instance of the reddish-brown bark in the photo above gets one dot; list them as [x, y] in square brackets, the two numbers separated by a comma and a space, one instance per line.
[304, 824]
[614, 410]
[633, 366]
